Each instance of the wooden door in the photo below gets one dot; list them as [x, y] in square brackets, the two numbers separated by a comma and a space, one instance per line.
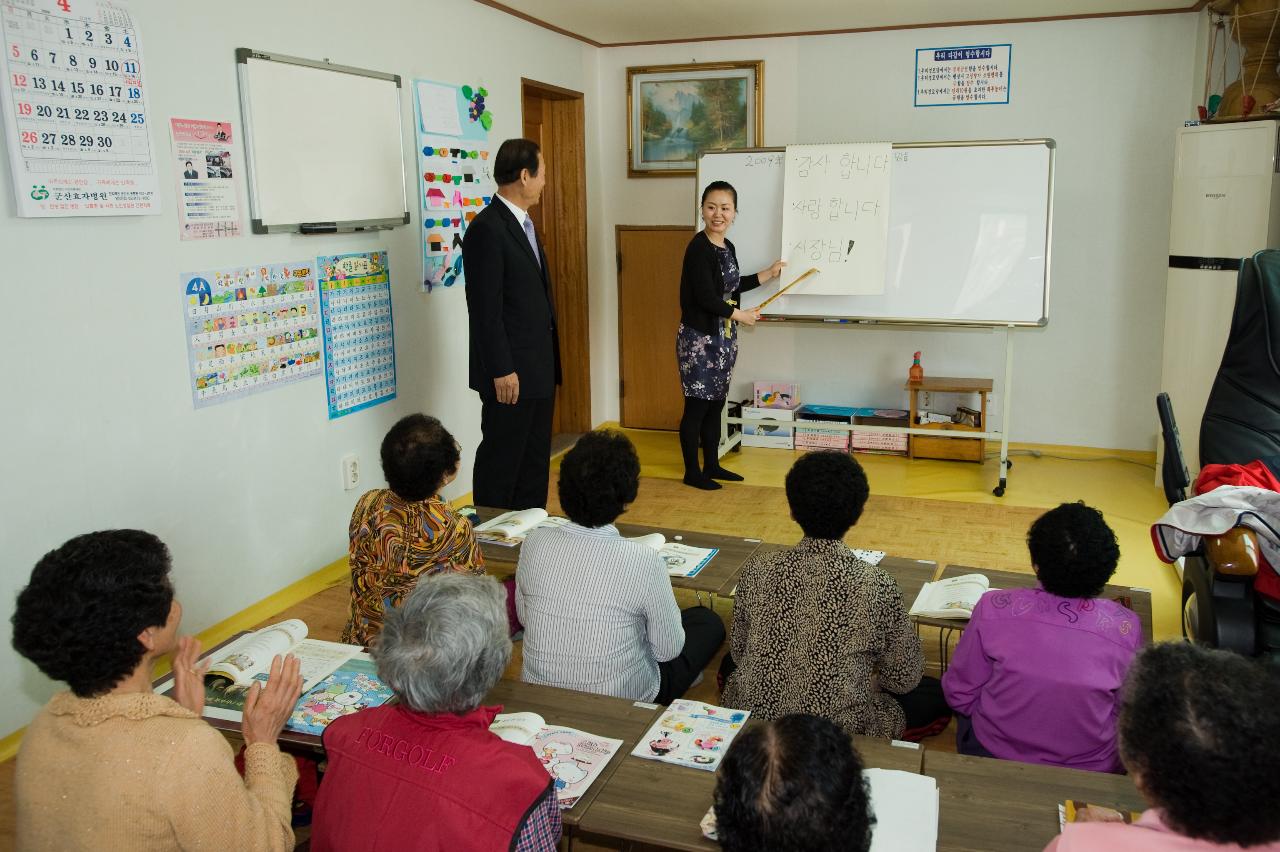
[553, 117]
[649, 259]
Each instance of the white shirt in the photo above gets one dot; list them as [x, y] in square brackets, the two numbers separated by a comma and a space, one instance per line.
[598, 612]
[519, 213]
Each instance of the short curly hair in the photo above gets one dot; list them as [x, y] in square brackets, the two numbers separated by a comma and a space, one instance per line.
[1201, 729]
[793, 785]
[79, 617]
[1073, 550]
[417, 454]
[827, 492]
[599, 478]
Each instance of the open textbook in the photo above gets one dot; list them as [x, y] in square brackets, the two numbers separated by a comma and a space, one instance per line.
[690, 733]
[1075, 810]
[682, 560]
[510, 528]
[905, 806]
[954, 597]
[353, 687]
[573, 758]
[236, 666]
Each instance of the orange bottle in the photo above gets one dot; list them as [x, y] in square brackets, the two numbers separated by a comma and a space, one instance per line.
[916, 373]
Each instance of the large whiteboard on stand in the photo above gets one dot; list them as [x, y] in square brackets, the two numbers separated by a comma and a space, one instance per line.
[970, 228]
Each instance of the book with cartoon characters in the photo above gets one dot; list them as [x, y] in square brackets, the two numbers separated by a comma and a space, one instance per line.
[691, 733]
[682, 560]
[511, 528]
[352, 688]
[954, 597]
[573, 758]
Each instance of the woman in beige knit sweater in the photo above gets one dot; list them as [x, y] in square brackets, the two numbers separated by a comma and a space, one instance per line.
[112, 765]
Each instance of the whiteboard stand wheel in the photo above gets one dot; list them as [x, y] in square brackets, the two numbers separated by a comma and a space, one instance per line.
[999, 489]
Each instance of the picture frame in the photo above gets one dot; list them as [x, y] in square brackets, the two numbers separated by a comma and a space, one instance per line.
[674, 112]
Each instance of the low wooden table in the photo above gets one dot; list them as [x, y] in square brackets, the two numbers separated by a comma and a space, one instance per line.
[951, 443]
[661, 805]
[1135, 598]
[988, 805]
[720, 573]
[602, 715]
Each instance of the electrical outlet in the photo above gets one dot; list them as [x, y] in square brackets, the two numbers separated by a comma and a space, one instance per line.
[928, 398]
[350, 472]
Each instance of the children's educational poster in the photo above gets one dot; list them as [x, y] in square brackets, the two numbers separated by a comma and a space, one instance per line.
[573, 759]
[835, 217]
[208, 203]
[963, 76]
[359, 340]
[250, 328]
[353, 687]
[76, 121]
[690, 733]
[454, 172]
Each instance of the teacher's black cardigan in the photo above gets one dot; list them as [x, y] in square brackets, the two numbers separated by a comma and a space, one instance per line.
[702, 283]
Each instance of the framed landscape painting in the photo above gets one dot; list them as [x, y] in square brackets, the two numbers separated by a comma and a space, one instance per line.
[676, 111]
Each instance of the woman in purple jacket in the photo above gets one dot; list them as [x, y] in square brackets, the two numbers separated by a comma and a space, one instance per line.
[1036, 676]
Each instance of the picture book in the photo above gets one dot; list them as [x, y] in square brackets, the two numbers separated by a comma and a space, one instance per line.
[573, 758]
[906, 809]
[247, 659]
[682, 560]
[510, 528]
[353, 687]
[690, 733]
[1075, 810]
[954, 597]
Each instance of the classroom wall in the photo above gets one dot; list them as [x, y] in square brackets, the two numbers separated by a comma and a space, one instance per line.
[1110, 91]
[98, 429]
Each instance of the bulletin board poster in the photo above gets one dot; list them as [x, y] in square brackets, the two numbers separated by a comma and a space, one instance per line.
[963, 76]
[835, 217]
[250, 329]
[359, 338]
[454, 172]
[76, 122]
[208, 202]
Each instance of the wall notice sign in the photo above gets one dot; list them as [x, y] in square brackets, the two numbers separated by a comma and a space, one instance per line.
[962, 76]
[75, 109]
[359, 342]
[208, 206]
[250, 329]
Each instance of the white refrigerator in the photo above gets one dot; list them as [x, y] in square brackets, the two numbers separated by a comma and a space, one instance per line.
[1226, 206]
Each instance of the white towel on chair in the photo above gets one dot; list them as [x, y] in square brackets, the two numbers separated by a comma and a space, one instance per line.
[1181, 529]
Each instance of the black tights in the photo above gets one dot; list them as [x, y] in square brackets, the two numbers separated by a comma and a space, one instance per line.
[700, 422]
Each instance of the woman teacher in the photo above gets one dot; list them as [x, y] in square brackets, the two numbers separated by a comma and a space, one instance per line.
[707, 341]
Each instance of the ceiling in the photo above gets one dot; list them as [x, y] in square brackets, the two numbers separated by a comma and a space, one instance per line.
[618, 22]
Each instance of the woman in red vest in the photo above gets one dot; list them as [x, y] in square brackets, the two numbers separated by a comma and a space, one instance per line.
[425, 773]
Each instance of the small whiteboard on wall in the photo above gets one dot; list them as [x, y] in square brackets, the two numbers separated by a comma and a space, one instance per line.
[323, 145]
[970, 227]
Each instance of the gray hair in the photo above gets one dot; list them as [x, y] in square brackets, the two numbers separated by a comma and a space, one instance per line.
[446, 645]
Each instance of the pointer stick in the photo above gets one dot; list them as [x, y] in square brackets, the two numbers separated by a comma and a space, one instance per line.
[766, 302]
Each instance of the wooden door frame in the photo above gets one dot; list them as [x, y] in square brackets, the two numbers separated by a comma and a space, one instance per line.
[569, 271]
[617, 248]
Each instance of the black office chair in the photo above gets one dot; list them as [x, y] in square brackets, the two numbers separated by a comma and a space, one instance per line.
[1241, 424]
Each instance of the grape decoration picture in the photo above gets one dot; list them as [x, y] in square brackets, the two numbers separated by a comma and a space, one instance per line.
[476, 109]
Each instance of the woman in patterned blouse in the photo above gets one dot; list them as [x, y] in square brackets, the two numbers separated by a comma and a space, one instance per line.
[817, 630]
[407, 531]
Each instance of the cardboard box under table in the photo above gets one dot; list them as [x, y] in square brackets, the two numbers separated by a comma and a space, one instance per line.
[769, 434]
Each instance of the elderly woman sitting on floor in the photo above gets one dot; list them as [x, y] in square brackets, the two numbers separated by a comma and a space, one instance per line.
[111, 764]
[427, 767]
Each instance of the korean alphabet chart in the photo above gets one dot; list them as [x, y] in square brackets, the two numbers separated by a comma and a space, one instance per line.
[835, 216]
[359, 341]
[250, 329]
[75, 109]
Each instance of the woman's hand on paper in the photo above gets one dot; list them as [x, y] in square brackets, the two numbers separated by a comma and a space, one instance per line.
[747, 317]
[188, 675]
[266, 709]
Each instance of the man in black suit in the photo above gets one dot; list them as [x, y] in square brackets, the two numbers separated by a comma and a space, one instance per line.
[515, 351]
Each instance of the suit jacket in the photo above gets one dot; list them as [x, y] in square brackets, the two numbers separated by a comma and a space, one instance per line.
[513, 325]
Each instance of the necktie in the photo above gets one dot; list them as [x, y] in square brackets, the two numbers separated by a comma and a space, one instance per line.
[533, 240]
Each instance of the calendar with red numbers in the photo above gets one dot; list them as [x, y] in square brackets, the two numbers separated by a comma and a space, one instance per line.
[75, 109]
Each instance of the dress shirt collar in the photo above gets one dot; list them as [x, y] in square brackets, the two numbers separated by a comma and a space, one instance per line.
[518, 212]
[606, 531]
